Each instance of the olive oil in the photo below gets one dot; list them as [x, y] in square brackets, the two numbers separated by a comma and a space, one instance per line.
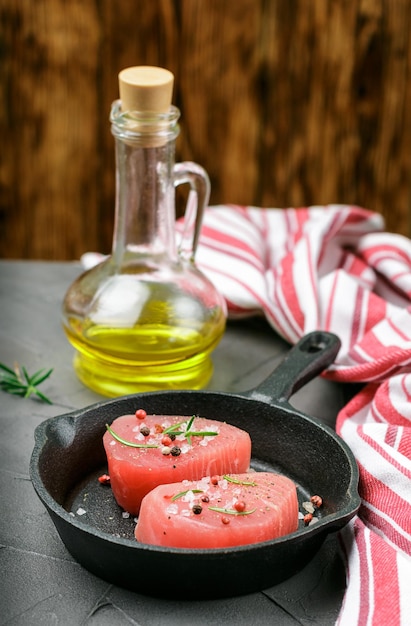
[146, 357]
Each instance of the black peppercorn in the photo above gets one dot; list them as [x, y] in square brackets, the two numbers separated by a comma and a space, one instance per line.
[197, 508]
[175, 451]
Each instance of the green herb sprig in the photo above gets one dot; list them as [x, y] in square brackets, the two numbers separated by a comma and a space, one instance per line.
[131, 444]
[19, 383]
[188, 433]
[183, 493]
[236, 481]
[231, 511]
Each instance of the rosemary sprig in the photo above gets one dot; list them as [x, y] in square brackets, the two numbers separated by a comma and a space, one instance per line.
[132, 444]
[174, 430]
[190, 423]
[19, 383]
[200, 433]
[230, 479]
[183, 493]
[231, 511]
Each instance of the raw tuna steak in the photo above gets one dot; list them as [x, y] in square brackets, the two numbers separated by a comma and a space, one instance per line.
[219, 512]
[174, 448]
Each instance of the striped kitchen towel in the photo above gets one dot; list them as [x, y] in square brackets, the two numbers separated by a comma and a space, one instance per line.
[334, 268]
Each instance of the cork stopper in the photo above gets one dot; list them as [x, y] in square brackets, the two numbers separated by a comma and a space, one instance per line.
[146, 88]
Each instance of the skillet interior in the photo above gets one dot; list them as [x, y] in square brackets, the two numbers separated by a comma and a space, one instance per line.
[69, 456]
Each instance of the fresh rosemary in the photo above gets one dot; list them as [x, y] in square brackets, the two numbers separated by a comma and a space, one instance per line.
[129, 443]
[19, 383]
[230, 479]
[231, 511]
[188, 433]
[183, 493]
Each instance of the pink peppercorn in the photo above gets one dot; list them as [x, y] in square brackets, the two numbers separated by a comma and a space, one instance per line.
[104, 479]
[316, 501]
[239, 506]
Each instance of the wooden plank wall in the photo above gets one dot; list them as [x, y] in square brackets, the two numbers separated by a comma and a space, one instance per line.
[284, 102]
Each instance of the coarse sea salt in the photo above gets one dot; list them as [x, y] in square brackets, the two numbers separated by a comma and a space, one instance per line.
[81, 511]
[188, 497]
[309, 507]
[172, 509]
[204, 483]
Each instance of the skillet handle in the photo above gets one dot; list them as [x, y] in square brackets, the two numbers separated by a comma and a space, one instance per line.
[308, 358]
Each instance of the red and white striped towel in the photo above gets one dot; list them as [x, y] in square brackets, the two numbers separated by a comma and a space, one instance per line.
[334, 268]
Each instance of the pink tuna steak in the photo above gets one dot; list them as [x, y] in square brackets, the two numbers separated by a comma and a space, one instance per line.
[219, 512]
[170, 449]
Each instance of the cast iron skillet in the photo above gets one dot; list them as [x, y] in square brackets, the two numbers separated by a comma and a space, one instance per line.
[68, 457]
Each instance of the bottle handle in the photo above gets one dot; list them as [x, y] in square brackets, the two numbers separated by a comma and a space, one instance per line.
[190, 173]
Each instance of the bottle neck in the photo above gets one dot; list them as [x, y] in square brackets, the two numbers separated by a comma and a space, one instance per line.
[144, 206]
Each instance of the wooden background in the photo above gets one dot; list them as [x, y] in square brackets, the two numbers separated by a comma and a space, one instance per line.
[284, 102]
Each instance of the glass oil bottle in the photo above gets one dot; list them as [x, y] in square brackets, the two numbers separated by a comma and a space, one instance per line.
[146, 318]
